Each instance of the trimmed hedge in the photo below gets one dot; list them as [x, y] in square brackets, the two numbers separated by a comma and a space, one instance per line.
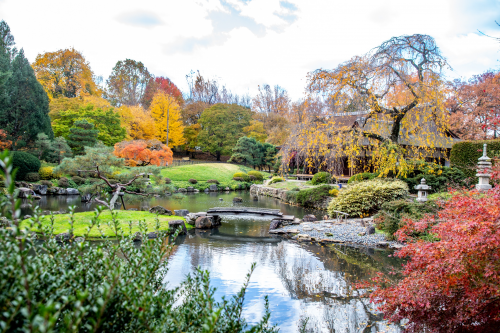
[258, 176]
[321, 178]
[311, 196]
[362, 176]
[364, 198]
[242, 175]
[25, 163]
[464, 155]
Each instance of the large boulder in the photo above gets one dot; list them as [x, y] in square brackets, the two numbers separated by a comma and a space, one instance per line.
[72, 191]
[191, 217]
[40, 189]
[309, 218]
[275, 224]
[237, 199]
[213, 188]
[86, 197]
[182, 190]
[206, 222]
[160, 210]
[370, 230]
[190, 189]
[181, 212]
[24, 192]
[177, 224]
[61, 191]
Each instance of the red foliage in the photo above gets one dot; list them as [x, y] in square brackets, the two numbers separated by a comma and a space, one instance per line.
[452, 284]
[4, 143]
[161, 84]
[141, 152]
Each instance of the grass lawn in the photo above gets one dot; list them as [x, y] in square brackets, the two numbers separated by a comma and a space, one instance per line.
[222, 172]
[82, 222]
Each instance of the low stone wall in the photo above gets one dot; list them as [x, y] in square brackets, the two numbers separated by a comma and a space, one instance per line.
[281, 194]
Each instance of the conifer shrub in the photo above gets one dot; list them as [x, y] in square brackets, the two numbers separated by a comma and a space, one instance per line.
[242, 175]
[258, 176]
[63, 182]
[193, 181]
[46, 172]
[32, 177]
[365, 198]
[25, 163]
[167, 180]
[321, 178]
[238, 179]
[78, 180]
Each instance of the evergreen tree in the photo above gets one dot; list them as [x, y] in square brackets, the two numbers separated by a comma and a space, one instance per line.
[248, 151]
[59, 149]
[82, 134]
[24, 105]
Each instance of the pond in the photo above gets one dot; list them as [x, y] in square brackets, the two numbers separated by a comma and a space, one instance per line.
[306, 283]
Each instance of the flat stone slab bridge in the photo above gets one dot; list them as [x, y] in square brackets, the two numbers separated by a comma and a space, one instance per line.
[274, 213]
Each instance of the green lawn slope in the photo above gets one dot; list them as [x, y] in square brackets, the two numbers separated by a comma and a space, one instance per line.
[223, 172]
[83, 220]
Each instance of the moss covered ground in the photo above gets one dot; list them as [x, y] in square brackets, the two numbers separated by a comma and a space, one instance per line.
[83, 220]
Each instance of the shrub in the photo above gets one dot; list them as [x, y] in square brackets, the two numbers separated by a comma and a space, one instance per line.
[257, 175]
[32, 177]
[78, 180]
[167, 180]
[362, 176]
[321, 178]
[193, 181]
[295, 189]
[238, 179]
[46, 172]
[212, 181]
[365, 198]
[310, 197]
[63, 182]
[439, 177]
[252, 177]
[25, 163]
[47, 183]
[275, 180]
[392, 214]
[334, 192]
[242, 175]
[291, 196]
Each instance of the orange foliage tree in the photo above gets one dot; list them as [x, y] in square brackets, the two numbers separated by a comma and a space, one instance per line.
[142, 152]
[4, 143]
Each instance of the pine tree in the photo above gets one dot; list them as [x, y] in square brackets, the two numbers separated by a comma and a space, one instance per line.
[24, 105]
[82, 134]
[59, 149]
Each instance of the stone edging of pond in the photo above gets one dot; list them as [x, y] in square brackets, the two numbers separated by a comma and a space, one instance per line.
[280, 194]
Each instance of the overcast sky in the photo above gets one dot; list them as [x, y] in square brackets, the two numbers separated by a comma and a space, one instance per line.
[245, 43]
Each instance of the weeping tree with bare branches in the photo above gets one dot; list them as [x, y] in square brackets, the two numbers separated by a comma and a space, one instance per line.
[397, 92]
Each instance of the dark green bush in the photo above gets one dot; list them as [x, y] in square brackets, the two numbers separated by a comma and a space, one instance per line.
[291, 196]
[47, 183]
[252, 178]
[362, 176]
[440, 178]
[32, 177]
[464, 155]
[212, 181]
[78, 180]
[193, 181]
[167, 180]
[25, 163]
[63, 182]
[391, 215]
[321, 178]
[311, 196]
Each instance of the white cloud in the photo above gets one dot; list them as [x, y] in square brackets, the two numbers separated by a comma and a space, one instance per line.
[246, 43]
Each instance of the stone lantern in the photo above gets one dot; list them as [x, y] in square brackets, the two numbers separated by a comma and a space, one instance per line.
[483, 169]
[422, 190]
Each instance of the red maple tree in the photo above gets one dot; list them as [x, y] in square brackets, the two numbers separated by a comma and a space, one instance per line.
[142, 152]
[163, 84]
[453, 283]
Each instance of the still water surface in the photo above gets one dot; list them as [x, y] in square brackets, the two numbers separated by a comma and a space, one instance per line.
[304, 282]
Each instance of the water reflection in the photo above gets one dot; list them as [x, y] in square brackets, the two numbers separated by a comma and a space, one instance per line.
[304, 282]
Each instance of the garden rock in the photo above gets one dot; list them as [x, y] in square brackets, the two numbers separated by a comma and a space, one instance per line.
[181, 212]
[275, 224]
[213, 188]
[86, 197]
[206, 190]
[191, 217]
[190, 189]
[132, 209]
[370, 230]
[160, 210]
[4, 222]
[79, 239]
[383, 244]
[40, 189]
[24, 192]
[64, 237]
[36, 197]
[303, 237]
[72, 191]
[237, 199]
[292, 231]
[182, 190]
[255, 198]
[309, 218]
[227, 189]
[196, 191]
[177, 224]
[61, 191]
[137, 237]
[206, 222]
[152, 235]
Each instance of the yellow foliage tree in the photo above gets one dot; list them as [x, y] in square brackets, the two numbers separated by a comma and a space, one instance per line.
[167, 116]
[138, 122]
[256, 130]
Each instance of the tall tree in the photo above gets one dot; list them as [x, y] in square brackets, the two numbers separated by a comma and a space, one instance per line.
[25, 107]
[81, 135]
[59, 149]
[256, 130]
[222, 126]
[167, 116]
[272, 100]
[65, 73]
[138, 122]
[248, 151]
[474, 106]
[401, 82]
[127, 82]
[161, 84]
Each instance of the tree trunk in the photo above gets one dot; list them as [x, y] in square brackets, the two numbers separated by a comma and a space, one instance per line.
[218, 156]
[168, 113]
